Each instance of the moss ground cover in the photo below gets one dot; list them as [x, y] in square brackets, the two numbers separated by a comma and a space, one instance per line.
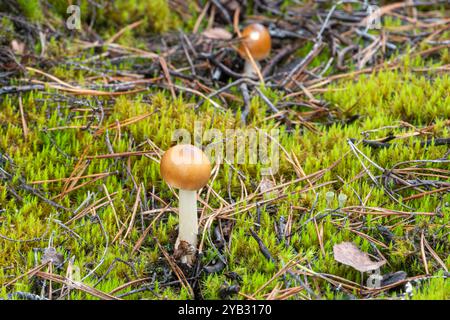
[80, 173]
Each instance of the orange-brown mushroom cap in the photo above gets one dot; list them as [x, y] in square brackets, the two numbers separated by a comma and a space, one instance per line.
[186, 167]
[257, 39]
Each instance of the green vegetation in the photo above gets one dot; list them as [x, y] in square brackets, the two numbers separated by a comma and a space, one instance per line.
[31, 9]
[71, 136]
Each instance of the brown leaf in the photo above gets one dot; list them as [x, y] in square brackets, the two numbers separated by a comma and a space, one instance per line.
[349, 254]
[217, 34]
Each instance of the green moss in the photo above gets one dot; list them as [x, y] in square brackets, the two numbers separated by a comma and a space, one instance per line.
[379, 99]
[7, 31]
[436, 288]
[31, 9]
[58, 136]
[111, 16]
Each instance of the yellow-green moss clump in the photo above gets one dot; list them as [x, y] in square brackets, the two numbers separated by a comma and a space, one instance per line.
[55, 143]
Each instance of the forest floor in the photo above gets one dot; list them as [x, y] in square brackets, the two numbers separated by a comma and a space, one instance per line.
[357, 110]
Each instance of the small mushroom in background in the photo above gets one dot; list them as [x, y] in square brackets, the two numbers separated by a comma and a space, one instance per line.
[188, 169]
[257, 39]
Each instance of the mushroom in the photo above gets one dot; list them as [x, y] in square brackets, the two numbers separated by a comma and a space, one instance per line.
[257, 39]
[186, 168]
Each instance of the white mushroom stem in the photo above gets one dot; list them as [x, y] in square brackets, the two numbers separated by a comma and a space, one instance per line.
[188, 225]
[249, 70]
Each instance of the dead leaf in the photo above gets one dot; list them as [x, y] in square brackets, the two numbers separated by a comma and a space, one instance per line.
[349, 254]
[391, 278]
[217, 34]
